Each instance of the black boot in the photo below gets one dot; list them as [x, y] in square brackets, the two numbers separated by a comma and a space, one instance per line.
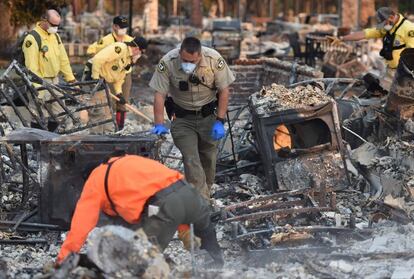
[209, 243]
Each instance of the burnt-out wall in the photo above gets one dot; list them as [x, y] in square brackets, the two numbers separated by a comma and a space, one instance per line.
[252, 74]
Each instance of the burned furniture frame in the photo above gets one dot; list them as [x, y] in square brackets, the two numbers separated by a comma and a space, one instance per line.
[252, 222]
[55, 176]
[17, 85]
[325, 117]
[317, 44]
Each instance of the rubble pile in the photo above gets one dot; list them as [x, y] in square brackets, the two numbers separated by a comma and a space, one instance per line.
[277, 98]
[140, 258]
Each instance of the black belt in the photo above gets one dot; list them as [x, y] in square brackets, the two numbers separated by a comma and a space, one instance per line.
[166, 191]
[205, 110]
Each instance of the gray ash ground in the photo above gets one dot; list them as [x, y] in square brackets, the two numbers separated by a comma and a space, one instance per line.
[374, 256]
[353, 261]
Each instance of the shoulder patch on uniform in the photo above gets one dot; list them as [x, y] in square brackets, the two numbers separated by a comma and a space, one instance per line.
[28, 44]
[161, 68]
[220, 64]
[100, 42]
[411, 33]
[118, 49]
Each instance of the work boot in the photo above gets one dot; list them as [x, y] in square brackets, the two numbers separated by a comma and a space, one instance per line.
[120, 119]
[209, 242]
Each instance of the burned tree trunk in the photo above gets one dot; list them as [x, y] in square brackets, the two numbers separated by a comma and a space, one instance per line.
[196, 17]
[7, 30]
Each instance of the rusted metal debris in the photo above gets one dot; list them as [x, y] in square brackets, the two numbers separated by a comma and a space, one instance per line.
[260, 218]
[20, 88]
[47, 167]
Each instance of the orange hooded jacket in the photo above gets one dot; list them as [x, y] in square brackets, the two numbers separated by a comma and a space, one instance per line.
[132, 181]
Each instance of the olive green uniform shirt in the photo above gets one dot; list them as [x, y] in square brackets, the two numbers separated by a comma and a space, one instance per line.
[212, 70]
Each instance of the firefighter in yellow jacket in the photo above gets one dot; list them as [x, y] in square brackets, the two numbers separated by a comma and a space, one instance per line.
[118, 34]
[50, 58]
[112, 64]
[396, 32]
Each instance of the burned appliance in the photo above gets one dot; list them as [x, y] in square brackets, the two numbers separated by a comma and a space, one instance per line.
[298, 136]
[56, 164]
[226, 38]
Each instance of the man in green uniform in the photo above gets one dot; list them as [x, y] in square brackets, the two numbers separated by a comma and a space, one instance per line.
[197, 79]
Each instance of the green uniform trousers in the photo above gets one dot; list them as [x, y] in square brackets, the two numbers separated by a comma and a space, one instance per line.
[192, 136]
[182, 205]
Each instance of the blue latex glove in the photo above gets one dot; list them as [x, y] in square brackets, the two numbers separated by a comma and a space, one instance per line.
[218, 130]
[159, 129]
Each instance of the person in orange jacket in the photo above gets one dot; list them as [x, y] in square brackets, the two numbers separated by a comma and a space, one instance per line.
[142, 193]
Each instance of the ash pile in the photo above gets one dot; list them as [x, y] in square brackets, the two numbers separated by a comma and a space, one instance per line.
[320, 206]
[292, 197]
[277, 97]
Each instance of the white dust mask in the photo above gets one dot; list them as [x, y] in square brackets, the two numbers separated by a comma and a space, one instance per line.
[52, 29]
[122, 32]
[188, 68]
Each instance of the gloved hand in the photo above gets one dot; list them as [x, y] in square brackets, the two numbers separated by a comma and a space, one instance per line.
[159, 129]
[185, 237]
[122, 100]
[218, 130]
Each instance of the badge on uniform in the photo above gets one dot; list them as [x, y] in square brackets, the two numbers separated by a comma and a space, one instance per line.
[220, 64]
[28, 44]
[44, 49]
[161, 67]
[117, 49]
[411, 33]
[114, 68]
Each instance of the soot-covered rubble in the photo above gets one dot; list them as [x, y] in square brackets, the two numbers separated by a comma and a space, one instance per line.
[375, 243]
[277, 97]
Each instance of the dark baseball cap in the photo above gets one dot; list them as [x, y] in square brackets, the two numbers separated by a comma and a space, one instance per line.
[382, 15]
[138, 42]
[121, 21]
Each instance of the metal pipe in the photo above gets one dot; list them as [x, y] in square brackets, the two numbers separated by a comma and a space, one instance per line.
[14, 86]
[25, 162]
[22, 218]
[258, 215]
[30, 225]
[33, 92]
[15, 109]
[355, 134]
[23, 241]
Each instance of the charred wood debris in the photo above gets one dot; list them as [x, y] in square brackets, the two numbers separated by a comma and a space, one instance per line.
[314, 180]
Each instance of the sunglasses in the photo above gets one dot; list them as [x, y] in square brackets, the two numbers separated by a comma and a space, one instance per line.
[51, 24]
